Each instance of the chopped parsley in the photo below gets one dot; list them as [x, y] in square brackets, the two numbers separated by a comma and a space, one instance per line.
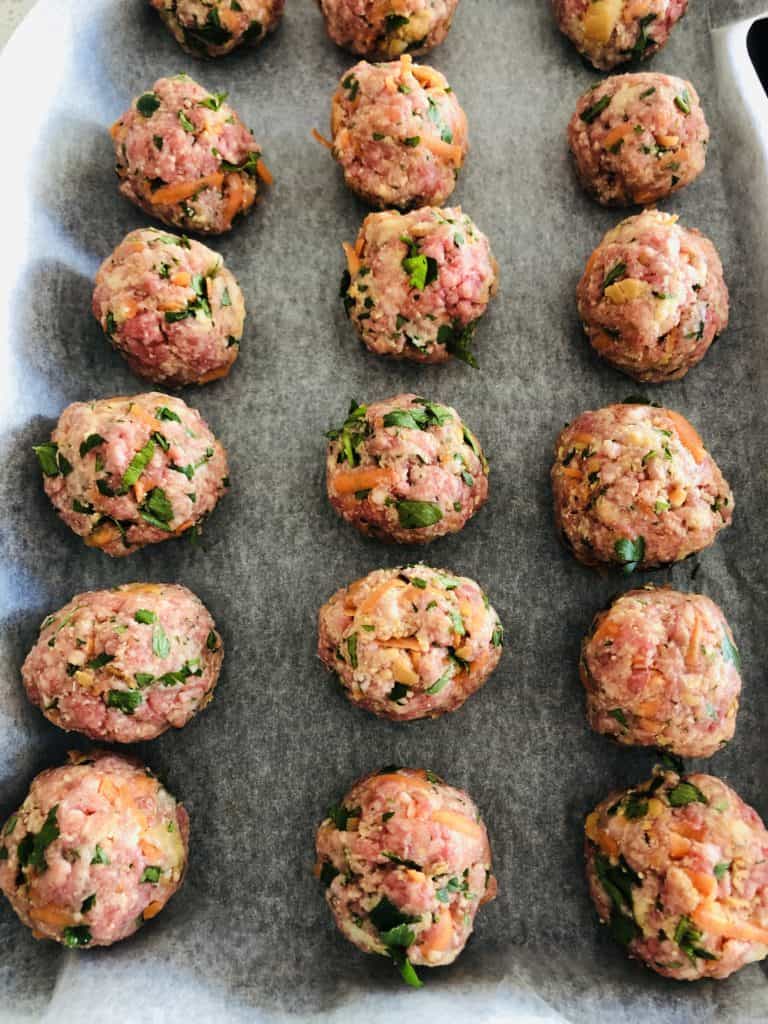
[147, 104]
[418, 515]
[124, 700]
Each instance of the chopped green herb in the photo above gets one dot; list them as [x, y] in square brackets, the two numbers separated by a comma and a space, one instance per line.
[124, 700]
[214, 101]
[617, 271]
[76, 936]
[92, 441]
[730, 651]
[100, 661]
[592, 113]
[99, 857]
[352, 433]
[143, 679]
[412, 141]
[88, 903]
[352, 650]
[52, 462]
[156, 509]
[620, 717]
[683, 102]
[395, 21]
[418, 515]
[629, 553]
[398, 692]
[340, 815]
[151, 874]
[685, 793]
[144, 616]
[161, 645]
[164, 413]
[440, 684]
[147, 104]
[137, 465]
[31, 849]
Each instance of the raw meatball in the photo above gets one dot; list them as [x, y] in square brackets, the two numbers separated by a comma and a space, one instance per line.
[212, 28]
[126, 664]
[652, 297]
[661, 669]
[383, 31]
[185, 157]
[634, 486]
[128, 471]
[405, 470]
[638, 138]
[410, 643]
[398, 133]
[679, 867]
[611, 32]
[98, 847]
[418, 283]
[406, 864]
[171, 307]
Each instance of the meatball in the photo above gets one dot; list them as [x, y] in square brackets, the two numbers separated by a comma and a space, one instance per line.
[679, 867]
[660, 668]
[410, 643]
[128, 471]
[212, 28]
[635, 487]
[184, 156]
[638, 138]
[611, 32]
[652, 298]
[98, 847]
[405, 470]
[398, 133]
[126, 664]
[406, 864]
[171, 307]
[418, 283]
[384, 31]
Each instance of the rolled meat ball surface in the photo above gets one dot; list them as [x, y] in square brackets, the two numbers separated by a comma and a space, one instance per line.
[634, 487]
[405, 470]
[638, 138]
[678, 868]
[410, 643]
[98, 847]
[213, 28]
[128, 471]
[660, 668]
[612, 32]
[126, 664]
[417, 283]
[184, 156]
[398, 133]
[169, 305]
[384, 31]
[652, 298]
[406, 863]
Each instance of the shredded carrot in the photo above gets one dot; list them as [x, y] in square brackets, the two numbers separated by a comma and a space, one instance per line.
[152, 909]
[264, 172]
[186, 525]
[704, 883]
[115, 128]
[712, 922]
[321, 139]
[571, 471]
[151, 852]
[135, 247]
[457, 822]
[679, 846]
[181, 278]
[407, 779]
[688, 435]
[403, 643]
[370, 603]
[617, 133]
[138, 412]
[140, 490]
[406, 64]
[51, 914]
[363, 479]
[438, 938]
[668, 141]
[353, 261]
[402, 669]
[233, 184]
[443, 149]
[428, 77]
[607, 630]
[180, 190]
[102, 536]
[217, 374]
[648, 708]
[693, 653]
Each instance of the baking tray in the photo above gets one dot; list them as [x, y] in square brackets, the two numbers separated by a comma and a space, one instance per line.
[249, 937]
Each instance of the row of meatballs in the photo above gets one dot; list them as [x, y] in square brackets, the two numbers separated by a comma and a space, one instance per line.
[400, 137]
[606, 32]
[652, 297]
[633, 484]
[660, 668]
[678, 865]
